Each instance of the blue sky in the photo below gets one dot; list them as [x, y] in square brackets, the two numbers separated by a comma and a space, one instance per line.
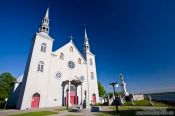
[135, 37]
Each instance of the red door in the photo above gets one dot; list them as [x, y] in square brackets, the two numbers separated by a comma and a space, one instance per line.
[72, 100]
[35, 101]
[72, 97]
[94, 98]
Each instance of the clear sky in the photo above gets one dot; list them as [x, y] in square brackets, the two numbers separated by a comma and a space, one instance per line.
[134, 37]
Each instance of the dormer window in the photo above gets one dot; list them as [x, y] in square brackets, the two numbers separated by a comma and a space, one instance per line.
[71, 49]
[79, 61]
[62, 56]
[43, 47]
[40, 66]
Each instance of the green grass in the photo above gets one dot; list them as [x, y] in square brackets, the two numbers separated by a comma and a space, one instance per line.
[40, 113]
[121, 113]
[126, 110]
[145, 103]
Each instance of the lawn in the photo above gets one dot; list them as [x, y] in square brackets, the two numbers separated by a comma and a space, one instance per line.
[130, 110]
[121, 113]
[145, 103]
[40, 113]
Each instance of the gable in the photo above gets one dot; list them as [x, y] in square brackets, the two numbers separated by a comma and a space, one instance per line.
[69, 54]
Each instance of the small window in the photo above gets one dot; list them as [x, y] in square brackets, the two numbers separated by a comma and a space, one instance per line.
[46, 20]
[40, 66]
[92, 75]
[79, 61]
[82, 78]
[91, 62]
[62, 56]
[71, 49]
[43, 47]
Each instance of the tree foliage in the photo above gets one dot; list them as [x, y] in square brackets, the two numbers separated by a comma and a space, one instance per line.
[6, 83]
[110, 94]
[101, 89]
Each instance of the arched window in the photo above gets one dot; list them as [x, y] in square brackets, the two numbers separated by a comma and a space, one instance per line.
[79, 61]
[40, 66]
[71, 49]
[43, 47]
[91, 62]
[72, 88]
[92, 75]
[62, 56]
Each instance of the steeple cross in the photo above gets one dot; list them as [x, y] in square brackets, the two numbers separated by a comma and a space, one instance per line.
[71, 37]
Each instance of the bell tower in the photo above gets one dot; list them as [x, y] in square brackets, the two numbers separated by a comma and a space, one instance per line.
[44, 27]
[86, 42]
[37, 69]
[92, 91]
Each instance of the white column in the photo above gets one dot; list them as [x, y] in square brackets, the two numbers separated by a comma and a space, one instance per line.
[81, 95]
[63, 95]
[69, 94]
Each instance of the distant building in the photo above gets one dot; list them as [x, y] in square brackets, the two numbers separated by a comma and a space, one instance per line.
[137, 96]
[49, 74]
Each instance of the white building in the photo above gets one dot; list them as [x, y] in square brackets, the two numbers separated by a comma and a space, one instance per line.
[137, 96]
[51, 77]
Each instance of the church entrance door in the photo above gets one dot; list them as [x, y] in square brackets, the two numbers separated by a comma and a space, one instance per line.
[72, 95]
[94, 98]
[35, 101]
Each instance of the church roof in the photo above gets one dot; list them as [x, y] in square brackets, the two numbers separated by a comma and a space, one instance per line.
[47, 13]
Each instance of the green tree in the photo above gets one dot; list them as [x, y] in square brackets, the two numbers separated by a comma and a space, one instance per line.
[6, 83]
[112, 93]
[101, 89]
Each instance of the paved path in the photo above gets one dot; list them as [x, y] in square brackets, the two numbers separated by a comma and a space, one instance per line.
[84, 112]
[14, 111]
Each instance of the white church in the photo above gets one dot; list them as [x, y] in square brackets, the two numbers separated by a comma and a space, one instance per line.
[56, 78]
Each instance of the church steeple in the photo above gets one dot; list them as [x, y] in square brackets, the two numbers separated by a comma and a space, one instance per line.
[44, 27]
[86, 42]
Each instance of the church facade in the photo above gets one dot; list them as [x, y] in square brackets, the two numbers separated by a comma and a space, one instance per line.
[56, 78]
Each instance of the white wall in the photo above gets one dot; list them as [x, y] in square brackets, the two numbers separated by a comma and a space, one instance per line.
[46, 84]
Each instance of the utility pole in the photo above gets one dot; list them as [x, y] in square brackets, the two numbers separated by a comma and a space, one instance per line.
[113, 84]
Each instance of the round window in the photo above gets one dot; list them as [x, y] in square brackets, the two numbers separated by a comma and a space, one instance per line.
[58, 75]
[71, 64]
